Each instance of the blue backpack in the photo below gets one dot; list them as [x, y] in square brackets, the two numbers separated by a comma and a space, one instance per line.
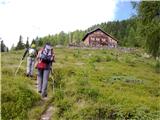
[46, 54]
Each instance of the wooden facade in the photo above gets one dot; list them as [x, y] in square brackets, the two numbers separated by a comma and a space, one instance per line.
[99, 38]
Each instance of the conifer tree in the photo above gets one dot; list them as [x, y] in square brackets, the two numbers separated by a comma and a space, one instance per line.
[27, 43]
[2, 46]
[20, 44]
[149, 15]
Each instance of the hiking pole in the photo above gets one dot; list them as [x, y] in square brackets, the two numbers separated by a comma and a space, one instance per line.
[18, 67]
[52, 78]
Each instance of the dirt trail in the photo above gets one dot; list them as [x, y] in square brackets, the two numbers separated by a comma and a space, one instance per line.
[48, 113]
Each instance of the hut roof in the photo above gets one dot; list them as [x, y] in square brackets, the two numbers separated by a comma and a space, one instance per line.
[97, 30]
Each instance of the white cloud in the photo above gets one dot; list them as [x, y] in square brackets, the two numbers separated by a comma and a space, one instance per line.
[42, 17]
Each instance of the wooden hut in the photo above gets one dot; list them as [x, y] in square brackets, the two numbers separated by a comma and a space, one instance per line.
[98, 37]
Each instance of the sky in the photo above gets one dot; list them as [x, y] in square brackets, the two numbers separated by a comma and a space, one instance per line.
[124, 10]
[32, 18]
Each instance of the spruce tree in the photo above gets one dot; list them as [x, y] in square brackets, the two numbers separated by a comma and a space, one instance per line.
[13, 47]
[27, 43]
[20, 44]
[2, 46]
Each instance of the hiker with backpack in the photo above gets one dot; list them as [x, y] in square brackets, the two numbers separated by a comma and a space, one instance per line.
[32, 53]
[45, 58]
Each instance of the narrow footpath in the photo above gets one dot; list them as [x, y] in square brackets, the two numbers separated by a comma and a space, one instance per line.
[48, 112]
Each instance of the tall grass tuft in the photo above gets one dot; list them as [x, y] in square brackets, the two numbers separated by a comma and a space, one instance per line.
[157, 66]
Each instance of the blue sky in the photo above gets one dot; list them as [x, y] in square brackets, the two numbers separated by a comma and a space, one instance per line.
[124, 10]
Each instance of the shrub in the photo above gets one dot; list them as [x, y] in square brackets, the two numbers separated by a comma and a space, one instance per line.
[76, 54]
[157, 66]
[108, 112]
[108, 58]
[17, 99]
[59, 94]
[89, 92]
[83, 82]
[58, 76]
[126, 79]
[95, 58]
[63, 106]
[130, 61]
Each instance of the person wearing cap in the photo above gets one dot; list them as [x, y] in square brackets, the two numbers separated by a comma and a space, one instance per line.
[32, 53]
[45, 58]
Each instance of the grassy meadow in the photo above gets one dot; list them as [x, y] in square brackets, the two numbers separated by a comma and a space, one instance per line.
[89, 84]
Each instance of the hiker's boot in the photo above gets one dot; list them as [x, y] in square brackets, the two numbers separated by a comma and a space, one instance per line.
[27, 75]
[39, 91]
[44, 97]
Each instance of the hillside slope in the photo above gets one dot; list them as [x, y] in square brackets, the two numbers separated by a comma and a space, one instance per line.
[89, 84]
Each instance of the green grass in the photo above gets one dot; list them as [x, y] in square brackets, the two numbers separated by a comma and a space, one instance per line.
[89, 85]
[17, 95]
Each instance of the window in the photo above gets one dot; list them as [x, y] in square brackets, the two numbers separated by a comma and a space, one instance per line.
[92, 38]
[97, 39]
[103, 39]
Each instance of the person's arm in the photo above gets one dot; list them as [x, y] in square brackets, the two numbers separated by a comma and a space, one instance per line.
[25, 54]
[37, 58]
